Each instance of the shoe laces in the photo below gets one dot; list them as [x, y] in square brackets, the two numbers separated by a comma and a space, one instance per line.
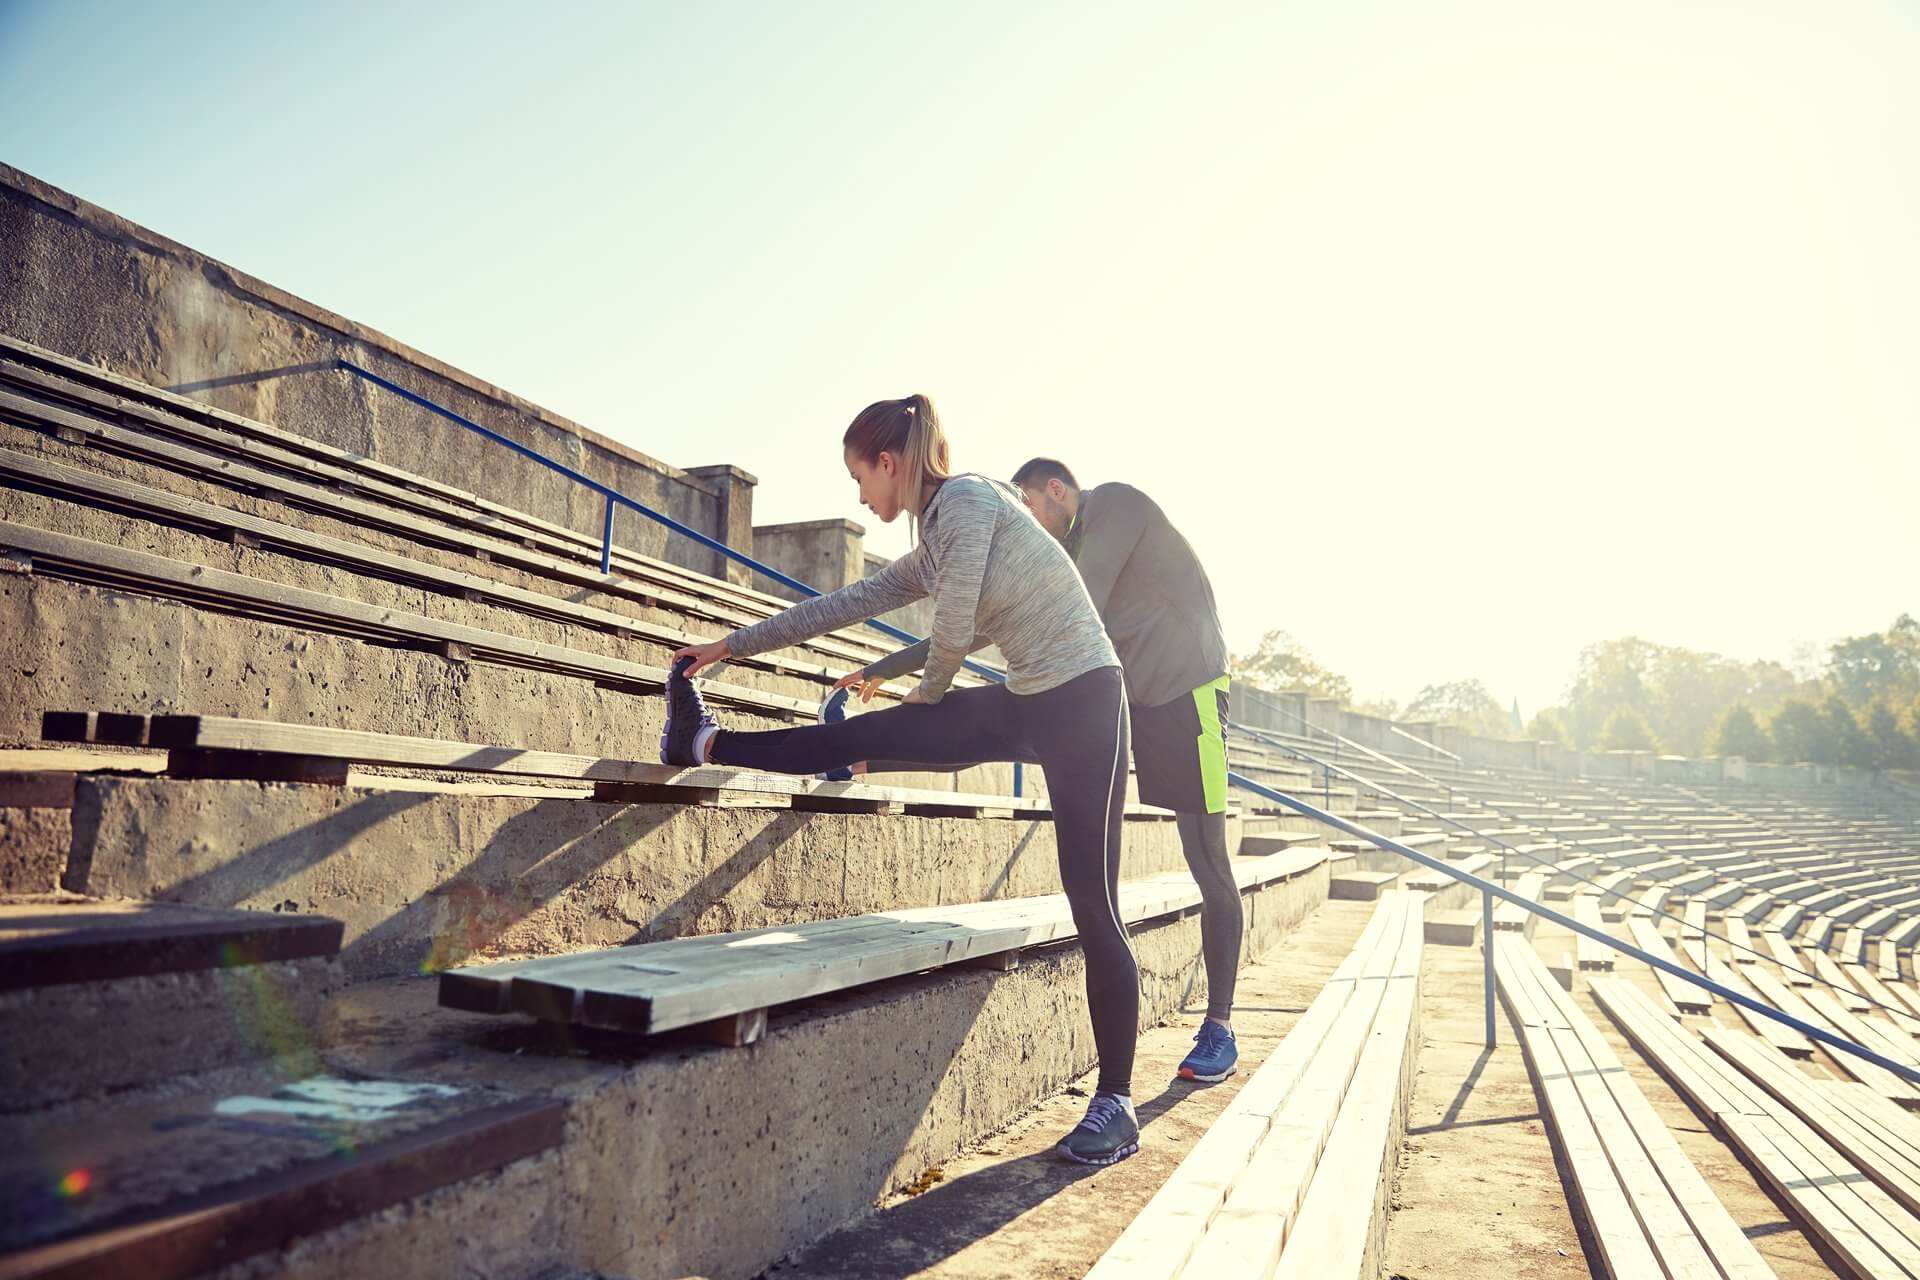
[1099, 1112]
[1212, 1036]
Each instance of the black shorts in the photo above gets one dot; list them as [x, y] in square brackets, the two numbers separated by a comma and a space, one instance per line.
[1180, 751]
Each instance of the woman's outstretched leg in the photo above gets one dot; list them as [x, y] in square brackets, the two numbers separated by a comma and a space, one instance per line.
[965, 726]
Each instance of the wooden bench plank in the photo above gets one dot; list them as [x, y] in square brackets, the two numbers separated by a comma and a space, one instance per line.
[1798, 1180]
[1342, 1223]
[1701, 1075]
[1609, 1213]
[1158, 1243]
[223, 733]
[662, 986]
[1895, 1168]
[1592, 955]
[1782, 1037]
[1265, 1202]
[1686, 997]
[52, 942]
[1732, 1254]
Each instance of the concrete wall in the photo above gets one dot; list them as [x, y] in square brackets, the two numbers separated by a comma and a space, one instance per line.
[824, 554]
[88, 284]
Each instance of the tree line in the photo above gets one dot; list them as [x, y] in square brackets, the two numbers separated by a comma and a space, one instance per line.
[1858, 705]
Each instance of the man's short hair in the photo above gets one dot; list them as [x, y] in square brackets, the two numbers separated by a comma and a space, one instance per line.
[1034, 474]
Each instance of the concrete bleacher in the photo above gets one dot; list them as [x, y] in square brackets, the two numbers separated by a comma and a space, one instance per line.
[329, 837]
[300, 733]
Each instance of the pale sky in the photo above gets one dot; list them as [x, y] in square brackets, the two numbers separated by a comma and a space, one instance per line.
[1455, 337]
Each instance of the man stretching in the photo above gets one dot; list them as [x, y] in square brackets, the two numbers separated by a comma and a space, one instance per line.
[1159, 611]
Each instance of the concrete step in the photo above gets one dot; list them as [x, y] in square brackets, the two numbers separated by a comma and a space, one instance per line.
[428, 878]
[1453, 928]
[176, 1182]
[706, 1139]
[181, 989]
[1361, 886]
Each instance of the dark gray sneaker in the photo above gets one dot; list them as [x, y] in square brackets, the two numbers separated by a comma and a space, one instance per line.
[1109, 1133]
[686, 717]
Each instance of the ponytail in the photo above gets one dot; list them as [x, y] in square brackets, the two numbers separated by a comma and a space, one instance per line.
[910, 430]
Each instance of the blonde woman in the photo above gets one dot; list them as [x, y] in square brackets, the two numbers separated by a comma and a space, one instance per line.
[995, 577]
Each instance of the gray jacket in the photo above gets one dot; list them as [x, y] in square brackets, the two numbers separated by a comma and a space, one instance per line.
[996, 577]
[1150, 590]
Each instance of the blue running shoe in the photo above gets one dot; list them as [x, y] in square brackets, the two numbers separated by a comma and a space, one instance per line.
[1212, 1059]
[686, 718]
[1109, 1133]
[833, 711]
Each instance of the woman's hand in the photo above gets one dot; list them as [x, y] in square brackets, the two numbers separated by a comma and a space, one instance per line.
[703, 655]
[867, 685]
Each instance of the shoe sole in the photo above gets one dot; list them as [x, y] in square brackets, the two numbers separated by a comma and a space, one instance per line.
[1115, 1158]
[1188, 1073]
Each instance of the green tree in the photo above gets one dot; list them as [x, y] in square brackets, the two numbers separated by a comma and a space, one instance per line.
[1681, 693]
[1739, 734]
[1280, 664]
[1883, 664]
[1801, 733]
[1627, 730]
[1548, 725]
[1465, 704]
[1611, 677]
[1851, 746]
[1893, 746]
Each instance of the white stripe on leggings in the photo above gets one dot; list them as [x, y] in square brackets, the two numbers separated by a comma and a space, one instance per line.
[1106, 826]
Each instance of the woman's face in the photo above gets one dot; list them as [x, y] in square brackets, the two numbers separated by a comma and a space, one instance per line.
[879, 483]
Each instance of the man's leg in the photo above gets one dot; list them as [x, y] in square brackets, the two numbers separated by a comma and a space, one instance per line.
[1203, 839]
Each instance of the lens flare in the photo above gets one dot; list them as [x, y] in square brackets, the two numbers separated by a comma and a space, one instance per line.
[75, 1184]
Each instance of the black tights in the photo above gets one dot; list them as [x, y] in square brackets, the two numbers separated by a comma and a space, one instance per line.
[1078, 733]
[1203, 838]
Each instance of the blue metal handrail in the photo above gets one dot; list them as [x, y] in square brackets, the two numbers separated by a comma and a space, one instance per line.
[1433, 747]
[1490, 890]
[617, 499]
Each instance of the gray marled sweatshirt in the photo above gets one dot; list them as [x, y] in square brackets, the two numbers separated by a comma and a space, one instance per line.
[996, 577]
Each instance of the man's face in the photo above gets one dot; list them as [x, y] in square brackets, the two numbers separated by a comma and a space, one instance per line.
[1048, 503]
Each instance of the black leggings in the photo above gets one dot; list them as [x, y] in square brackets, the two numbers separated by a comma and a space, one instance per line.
[1203, 838]
[1078, 733]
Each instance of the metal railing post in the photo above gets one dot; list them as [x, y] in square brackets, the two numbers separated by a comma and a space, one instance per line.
[1486, 948]
[606, 540]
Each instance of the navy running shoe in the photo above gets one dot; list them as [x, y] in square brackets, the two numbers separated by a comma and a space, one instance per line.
[686, 718]
[1213, 1057]
[1109, 1133]
[833, 711]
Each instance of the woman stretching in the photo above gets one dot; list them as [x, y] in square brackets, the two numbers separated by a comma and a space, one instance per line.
[996, 577]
